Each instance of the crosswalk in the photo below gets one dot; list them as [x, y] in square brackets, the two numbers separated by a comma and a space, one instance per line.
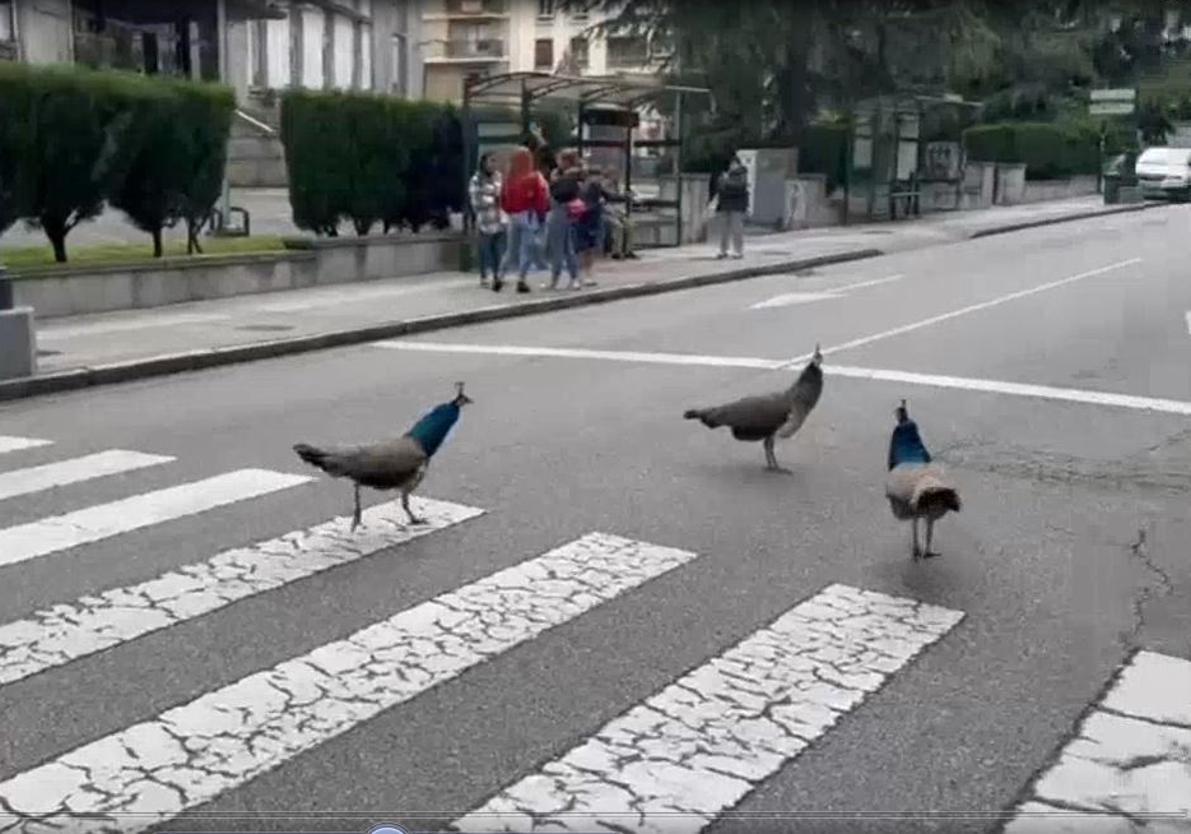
[678, 760]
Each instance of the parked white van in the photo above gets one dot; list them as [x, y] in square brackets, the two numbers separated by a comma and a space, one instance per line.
[1165, 172]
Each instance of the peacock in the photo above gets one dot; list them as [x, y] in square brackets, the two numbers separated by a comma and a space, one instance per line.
[391, 464]
[916, 487]
[768, 416]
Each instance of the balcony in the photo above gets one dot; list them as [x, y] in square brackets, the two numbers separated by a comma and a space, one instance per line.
[466, 51]
[469, 10]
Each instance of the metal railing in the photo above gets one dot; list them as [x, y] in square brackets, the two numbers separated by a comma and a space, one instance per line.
[489, 49]
[470, 7]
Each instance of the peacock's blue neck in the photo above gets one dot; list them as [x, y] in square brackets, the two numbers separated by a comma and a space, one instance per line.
[906, 446]
[432, 430]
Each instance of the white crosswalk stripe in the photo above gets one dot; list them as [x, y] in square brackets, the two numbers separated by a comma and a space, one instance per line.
[88, 467]
[1130, 759]
[64, 633]
[51, 535]
[695, 749]
[153, 771]
[16, 444]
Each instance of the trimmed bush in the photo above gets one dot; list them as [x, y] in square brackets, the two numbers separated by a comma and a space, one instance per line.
[824, 150]
[16, 142]
[72, 138]
[1049, 150]
[181, 131]
[368, 159]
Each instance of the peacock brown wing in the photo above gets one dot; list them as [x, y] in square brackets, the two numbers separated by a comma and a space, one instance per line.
[388, 464]
[752, 417]
[910, 487]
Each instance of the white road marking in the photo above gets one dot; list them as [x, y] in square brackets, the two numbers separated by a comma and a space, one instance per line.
[61, 473]
[791, 298]
[971, 308]
[580, 353]
[153, 771]
[695, 749]
[16, 444]
[873, 283]
[989, 386]
[58, 635]
[1187, 315]
[100, 328]
[50, 535]
[1131, 758]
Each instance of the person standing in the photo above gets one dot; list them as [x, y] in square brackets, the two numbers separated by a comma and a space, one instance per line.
[524, 197]
[589, 229]
[566, 208]
[733, 204]
[490, 220]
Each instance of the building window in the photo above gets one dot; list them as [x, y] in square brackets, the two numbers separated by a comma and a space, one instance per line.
[579, 51]
[628, 51]
[401, 64]
[545, 8]
[260, 54]
[6, 28]
[543, 53]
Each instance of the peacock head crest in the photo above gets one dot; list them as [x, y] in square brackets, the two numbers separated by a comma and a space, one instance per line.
[817, 356]
[461, 399]
[903, 414]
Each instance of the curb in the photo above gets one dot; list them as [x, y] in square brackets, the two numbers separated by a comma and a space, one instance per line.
[1065, 218]
[195, 360]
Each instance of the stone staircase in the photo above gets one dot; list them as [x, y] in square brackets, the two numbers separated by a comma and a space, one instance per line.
[255, 157]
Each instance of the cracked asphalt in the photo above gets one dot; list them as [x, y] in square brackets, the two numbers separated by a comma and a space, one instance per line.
[1056, 588]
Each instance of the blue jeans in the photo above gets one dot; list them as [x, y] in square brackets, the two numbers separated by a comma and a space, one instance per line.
[523, 227]
[560, 238]
[491, 253]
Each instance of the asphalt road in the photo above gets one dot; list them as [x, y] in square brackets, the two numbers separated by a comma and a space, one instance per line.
[1039, 562]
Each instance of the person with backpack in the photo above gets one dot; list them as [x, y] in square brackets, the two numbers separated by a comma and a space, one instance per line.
[525, 198]
[732, 199]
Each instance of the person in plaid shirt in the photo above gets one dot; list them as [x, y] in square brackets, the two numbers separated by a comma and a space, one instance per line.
[490, 221]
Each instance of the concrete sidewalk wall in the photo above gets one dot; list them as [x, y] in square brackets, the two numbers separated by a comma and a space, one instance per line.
[73, 291]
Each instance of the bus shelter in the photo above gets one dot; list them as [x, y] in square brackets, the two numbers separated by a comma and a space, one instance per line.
[499, 111]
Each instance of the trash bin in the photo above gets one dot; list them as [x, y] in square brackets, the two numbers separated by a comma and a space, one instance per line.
[6, 299]
[1112, 189]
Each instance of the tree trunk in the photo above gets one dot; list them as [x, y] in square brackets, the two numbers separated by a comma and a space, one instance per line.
[56, 231]
[192, 237]
[157, 251]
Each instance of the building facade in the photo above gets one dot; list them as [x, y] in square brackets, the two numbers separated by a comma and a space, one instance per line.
[462, 38]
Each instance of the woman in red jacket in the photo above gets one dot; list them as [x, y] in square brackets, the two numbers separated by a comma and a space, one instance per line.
[525, 198]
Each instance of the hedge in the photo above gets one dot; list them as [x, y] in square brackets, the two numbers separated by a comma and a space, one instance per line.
[370, 159]
[1049, 150]
[73, 139]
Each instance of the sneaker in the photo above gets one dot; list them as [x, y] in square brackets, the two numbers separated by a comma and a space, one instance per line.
[497, 284]
[522, 287]
[721, 256]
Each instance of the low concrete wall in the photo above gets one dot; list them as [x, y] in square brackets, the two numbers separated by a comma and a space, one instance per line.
[1010, 183]
[72, 291]
[1038, 191]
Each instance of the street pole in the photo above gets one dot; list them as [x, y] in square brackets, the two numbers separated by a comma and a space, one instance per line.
[221, 41]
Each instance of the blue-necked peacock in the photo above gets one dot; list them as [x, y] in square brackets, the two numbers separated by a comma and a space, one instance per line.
[916, 487]
[390, 464]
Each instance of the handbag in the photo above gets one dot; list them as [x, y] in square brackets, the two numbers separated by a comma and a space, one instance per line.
[576, 208]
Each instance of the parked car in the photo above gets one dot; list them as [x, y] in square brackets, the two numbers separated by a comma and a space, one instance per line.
[1165, 173]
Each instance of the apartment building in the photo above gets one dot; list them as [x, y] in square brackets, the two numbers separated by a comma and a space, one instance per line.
[462, 38]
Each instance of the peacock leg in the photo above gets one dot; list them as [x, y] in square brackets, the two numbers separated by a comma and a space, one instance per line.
[771, 458]
[356, 514]
[917, 551]
[405, 506]
[930, 529]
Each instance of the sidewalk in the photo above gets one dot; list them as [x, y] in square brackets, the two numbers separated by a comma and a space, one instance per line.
[88, 350]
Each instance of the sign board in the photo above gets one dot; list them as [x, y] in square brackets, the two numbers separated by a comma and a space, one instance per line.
[1116, 94]
[1111, 108]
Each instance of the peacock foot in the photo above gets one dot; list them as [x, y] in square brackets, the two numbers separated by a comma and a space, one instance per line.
[930, 554]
